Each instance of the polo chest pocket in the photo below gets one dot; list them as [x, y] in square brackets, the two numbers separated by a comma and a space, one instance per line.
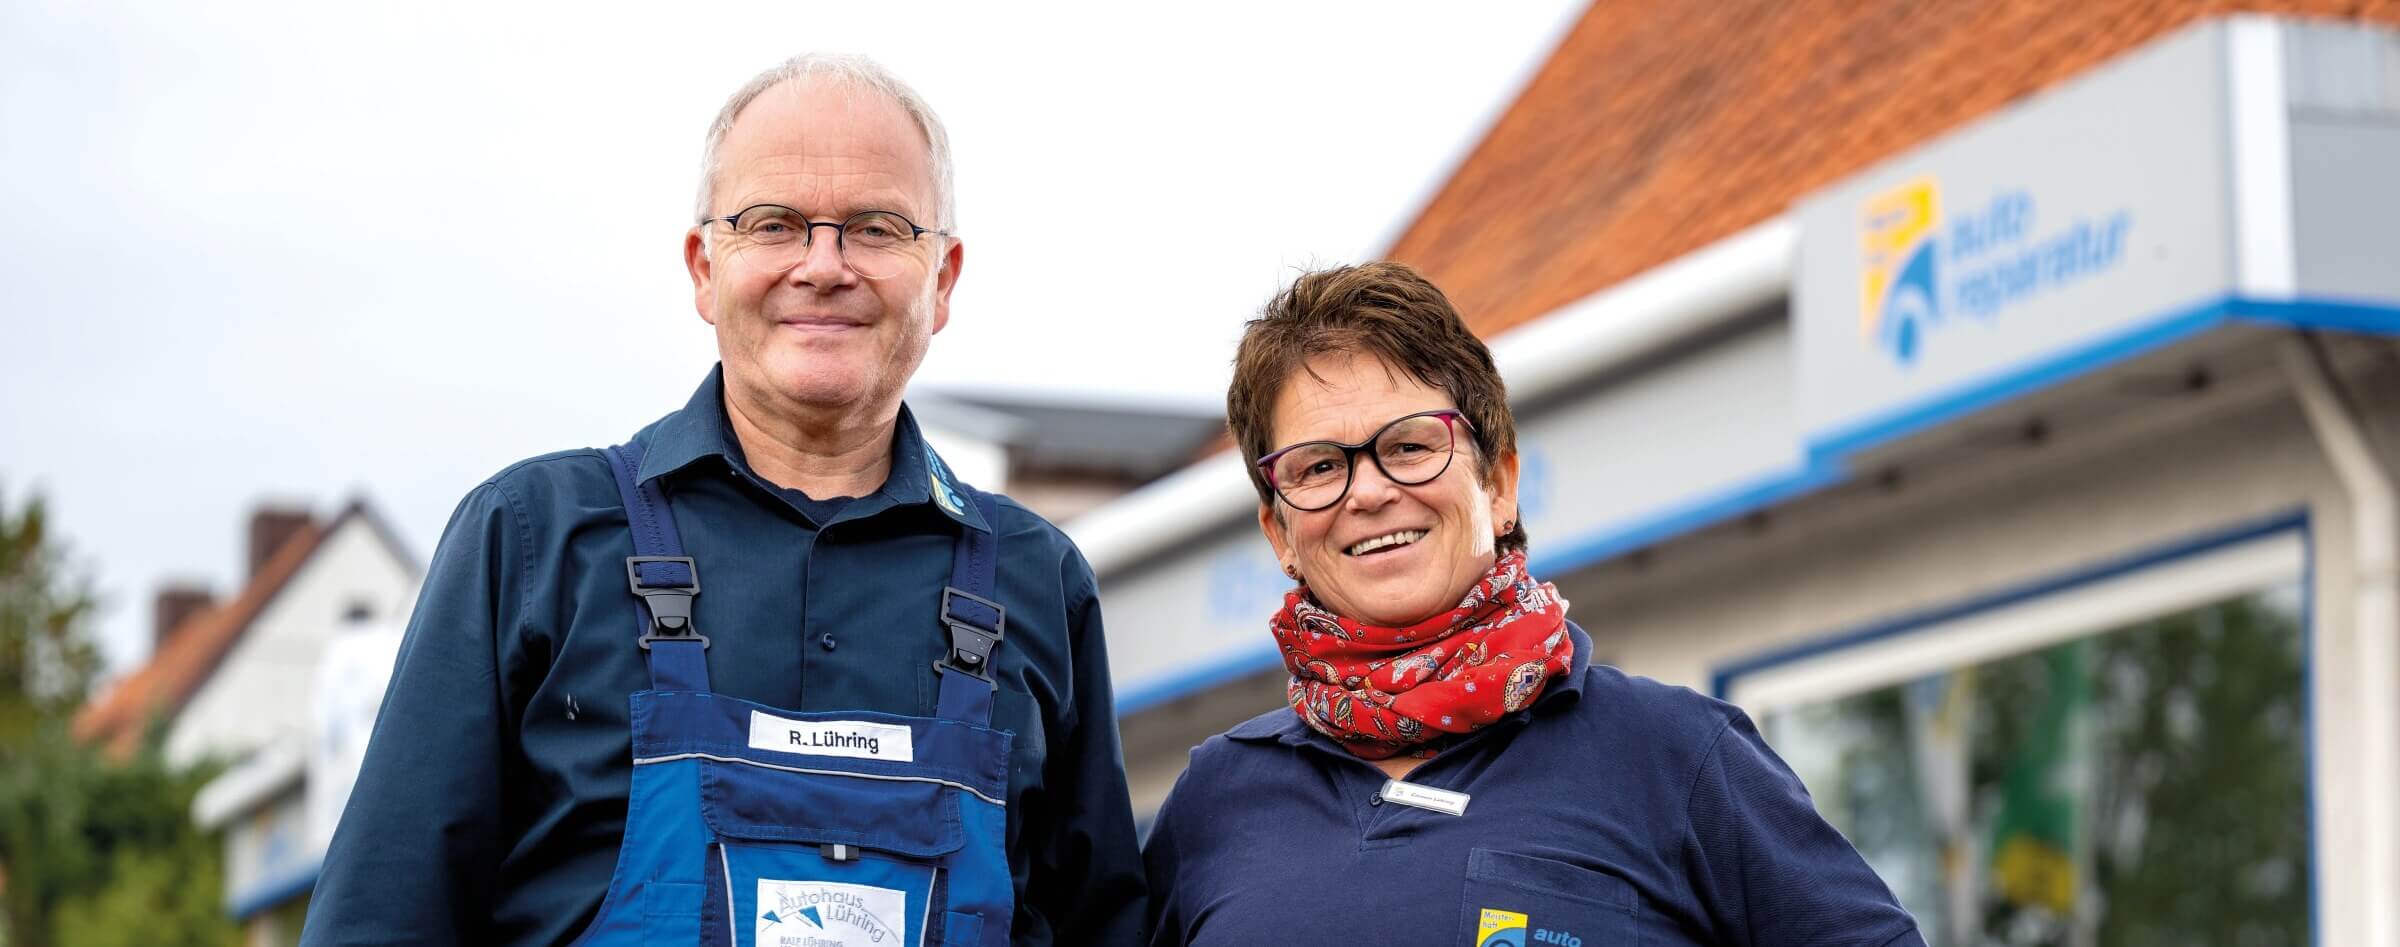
[828, 859]
[1517, 900]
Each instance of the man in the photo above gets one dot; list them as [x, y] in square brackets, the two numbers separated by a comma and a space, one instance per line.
[828, 542]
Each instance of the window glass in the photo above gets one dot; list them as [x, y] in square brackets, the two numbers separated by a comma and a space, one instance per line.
[2143, 785]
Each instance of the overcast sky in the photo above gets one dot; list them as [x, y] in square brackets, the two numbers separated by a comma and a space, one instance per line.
[314, 252]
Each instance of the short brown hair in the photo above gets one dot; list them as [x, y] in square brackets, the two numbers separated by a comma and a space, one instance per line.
[1383, 309]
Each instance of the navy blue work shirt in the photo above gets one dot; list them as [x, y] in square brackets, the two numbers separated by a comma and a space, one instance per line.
[1616, 810]
[494, 789]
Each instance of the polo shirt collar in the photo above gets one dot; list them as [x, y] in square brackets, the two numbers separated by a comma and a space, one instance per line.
[1284, 726]
[1565, 690]
[918, 476]
[689, 435]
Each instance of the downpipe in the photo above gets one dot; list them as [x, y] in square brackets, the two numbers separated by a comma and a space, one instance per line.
[2375, 626]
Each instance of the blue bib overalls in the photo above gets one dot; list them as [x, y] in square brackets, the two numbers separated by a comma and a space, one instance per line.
[750, 825]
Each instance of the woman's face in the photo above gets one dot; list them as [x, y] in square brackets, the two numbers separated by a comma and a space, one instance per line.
[1347, 399]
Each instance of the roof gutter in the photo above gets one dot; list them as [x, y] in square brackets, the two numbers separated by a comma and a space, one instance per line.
[277, 767]
[1698, 292]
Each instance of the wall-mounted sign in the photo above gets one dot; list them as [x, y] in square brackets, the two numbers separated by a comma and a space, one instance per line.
[2084, 213]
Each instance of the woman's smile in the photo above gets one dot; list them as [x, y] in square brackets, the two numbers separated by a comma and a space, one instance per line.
[1387, 542]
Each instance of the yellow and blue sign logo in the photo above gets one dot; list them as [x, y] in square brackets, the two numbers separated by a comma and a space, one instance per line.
[1901, 295]
[1924, 267]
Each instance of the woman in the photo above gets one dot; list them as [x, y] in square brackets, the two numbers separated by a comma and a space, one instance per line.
[1452, 768]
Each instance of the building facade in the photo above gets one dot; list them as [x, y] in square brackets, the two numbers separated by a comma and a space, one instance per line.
[2030, 478]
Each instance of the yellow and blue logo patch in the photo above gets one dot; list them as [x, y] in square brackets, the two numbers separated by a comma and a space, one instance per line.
[1499, 928]
[1899, 297]
[937, 475]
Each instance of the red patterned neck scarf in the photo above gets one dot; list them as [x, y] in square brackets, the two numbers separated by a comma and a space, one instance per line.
[1382, 692]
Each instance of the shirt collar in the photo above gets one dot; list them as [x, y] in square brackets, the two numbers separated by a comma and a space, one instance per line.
[1285, 727]
[689, 435]
[918, 476]
[1280, 726]
[1564, 690]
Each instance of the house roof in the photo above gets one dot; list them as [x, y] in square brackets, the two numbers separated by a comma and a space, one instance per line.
[118, 720]
[1121, 435]
[1656, 129]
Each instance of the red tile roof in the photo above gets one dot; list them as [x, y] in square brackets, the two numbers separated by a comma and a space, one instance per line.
[118, 720]
[1658, 128]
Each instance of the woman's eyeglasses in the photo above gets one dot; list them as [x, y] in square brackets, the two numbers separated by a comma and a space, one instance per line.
[1314, 475]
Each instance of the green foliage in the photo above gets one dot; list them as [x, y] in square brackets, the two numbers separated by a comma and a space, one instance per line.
[92, 851]
[2205, 803]
[47, 659]
[155, 897]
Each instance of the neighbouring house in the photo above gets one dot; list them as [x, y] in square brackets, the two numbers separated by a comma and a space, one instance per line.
[237, 680]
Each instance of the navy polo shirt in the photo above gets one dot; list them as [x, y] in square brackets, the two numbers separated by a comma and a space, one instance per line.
[494, 790]
[1616, 810]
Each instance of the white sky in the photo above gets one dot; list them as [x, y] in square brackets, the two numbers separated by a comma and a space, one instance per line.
[313, 253]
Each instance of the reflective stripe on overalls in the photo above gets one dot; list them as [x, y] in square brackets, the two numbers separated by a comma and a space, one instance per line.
[753, 825]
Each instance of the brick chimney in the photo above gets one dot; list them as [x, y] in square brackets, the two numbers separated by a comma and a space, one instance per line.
[176, 602]
[271, 526]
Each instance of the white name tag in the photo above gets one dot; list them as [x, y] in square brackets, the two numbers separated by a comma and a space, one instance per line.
[856, 739]
[1425, 797]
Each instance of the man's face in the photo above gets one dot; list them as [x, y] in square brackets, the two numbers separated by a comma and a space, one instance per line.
[815, 334]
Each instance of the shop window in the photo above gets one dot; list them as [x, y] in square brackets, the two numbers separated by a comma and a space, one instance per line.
[2140, 781]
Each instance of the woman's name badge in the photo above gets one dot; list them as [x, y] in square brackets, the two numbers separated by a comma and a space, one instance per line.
[1425, 797]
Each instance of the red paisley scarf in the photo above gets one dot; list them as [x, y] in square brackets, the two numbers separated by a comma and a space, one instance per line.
[1382, 692]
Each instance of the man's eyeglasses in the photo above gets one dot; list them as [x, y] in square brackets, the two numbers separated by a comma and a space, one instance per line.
[1314, 475]
[875, 244]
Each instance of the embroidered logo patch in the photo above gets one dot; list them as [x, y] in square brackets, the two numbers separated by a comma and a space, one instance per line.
[829, 914]
[943, 493]
[856, 739]
[1500, 928]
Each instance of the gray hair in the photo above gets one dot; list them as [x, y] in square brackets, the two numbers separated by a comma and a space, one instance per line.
[861, 73]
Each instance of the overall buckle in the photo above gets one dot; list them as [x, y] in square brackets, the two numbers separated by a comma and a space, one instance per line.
[670, 605]
[971, 642]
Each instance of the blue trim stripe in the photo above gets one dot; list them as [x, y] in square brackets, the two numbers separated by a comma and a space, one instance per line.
[2333, 315]
[2175, 326]
[1721, 683]
[2015, 383]
[1746, 497]
[274, 889]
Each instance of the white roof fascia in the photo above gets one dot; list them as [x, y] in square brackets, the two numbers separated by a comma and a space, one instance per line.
[1608, 329]
[276, 767]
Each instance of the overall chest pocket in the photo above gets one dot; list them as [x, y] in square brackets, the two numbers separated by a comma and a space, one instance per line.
[1515, 900]
[825, 859]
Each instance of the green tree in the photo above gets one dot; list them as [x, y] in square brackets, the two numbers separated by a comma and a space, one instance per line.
[92, 851]
[47, 660]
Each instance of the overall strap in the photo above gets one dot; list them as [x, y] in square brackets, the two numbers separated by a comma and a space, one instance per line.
[974, 620]
[662, 578]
